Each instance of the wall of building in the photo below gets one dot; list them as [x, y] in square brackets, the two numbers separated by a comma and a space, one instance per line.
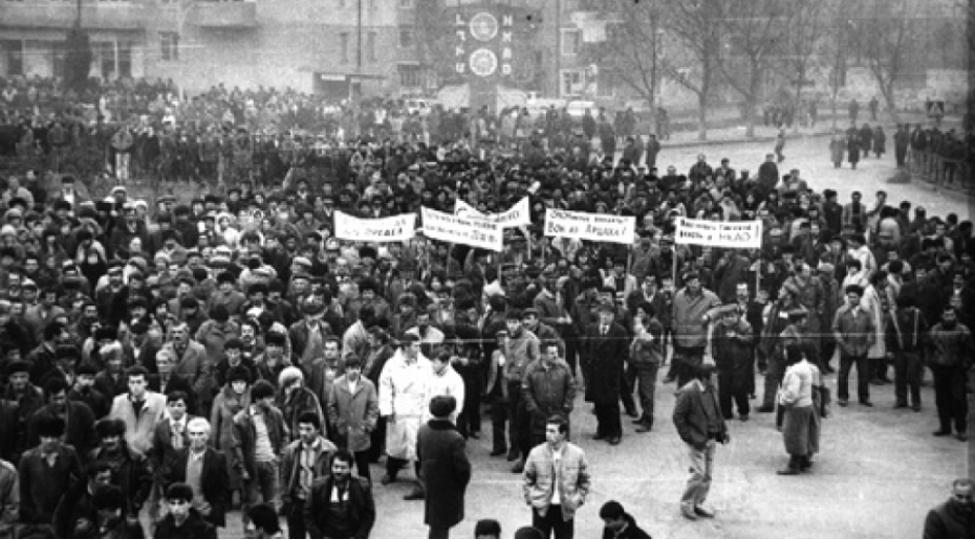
[291, 42]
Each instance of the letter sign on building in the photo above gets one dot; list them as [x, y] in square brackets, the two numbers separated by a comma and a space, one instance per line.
[496, 34]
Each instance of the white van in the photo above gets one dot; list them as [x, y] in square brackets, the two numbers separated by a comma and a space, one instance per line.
[422, 106]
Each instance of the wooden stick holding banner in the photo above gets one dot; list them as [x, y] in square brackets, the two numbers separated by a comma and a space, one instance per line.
[470, 231]
[726, 234]
[673, 271]
[450, 256]
[629, 261]
[499, 255]
[589, 226]
[758, 275]
[426, 255]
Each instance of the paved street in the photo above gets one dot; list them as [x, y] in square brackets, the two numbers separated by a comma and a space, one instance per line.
[810, 154]
[879, 471]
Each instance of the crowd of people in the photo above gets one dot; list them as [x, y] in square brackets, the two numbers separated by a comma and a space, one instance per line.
[162, 363]
[147, 129]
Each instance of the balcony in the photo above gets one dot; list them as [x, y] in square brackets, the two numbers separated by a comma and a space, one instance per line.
[108, 15]
[233, 14]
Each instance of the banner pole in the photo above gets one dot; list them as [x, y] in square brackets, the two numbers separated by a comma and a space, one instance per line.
[500, 253]
[674, 270]
[758, 276]
[629, 261]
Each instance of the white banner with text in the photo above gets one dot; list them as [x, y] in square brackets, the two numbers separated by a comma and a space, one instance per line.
[517, 215]
[467, 230]
[588, 226]
[728, 234]
[385, 229]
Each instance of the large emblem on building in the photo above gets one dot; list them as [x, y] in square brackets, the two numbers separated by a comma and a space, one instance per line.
[492, 39]
[483, 62]
[483, 26]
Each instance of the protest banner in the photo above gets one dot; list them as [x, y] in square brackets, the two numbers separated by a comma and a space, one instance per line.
[467, 230]
[728, 234]
[385, 229]
[587, 226]
[519, 214]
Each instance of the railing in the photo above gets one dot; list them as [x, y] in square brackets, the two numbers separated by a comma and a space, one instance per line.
[941, 171]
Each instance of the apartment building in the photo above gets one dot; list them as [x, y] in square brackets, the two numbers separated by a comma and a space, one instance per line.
[334, 46]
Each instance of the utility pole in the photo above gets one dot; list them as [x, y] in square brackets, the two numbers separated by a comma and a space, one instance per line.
[358, 37]
[653, 76]
[558, 48]
[971, 425]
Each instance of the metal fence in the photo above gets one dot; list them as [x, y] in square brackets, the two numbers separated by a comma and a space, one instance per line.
[942, 171]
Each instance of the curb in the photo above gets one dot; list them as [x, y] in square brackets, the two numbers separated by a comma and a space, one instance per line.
[943, 189]
[765, 138]
[740, 140]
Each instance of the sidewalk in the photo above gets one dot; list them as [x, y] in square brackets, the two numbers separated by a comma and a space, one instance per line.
[736, 134]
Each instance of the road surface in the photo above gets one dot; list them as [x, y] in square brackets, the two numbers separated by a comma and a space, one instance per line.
[878, 473]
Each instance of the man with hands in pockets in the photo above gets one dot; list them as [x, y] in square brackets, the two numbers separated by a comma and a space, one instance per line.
[700, 424]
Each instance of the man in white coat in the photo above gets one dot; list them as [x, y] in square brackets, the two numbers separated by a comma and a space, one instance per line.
[403, 402]
[444, 381]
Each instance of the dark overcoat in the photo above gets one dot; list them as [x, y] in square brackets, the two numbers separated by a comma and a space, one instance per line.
[213, 479]
[446, 471]
[605, 356]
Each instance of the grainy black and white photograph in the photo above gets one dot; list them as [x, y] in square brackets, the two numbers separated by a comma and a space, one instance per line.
[487, 269]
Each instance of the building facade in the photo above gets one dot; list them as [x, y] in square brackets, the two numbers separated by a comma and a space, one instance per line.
[348, 48]
[334, 46]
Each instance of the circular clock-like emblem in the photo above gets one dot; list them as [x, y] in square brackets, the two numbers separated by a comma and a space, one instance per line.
[483, 62]
[484, 26]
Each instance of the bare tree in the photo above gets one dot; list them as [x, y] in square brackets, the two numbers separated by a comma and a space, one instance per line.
[836, 38]
[696, 28]
[757, 29]
[636, 37]
[433, 26]
[968, 11]
[806, 43]
[885, 35]
[631, 46]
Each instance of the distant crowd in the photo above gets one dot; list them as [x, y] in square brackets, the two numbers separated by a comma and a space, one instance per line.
[162, 361]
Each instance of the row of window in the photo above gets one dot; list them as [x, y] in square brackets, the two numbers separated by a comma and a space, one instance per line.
[346, 46]
[366, 4]
[577, 82]
[169, 44]
[406, 40]
[372, 4]
[110, 59]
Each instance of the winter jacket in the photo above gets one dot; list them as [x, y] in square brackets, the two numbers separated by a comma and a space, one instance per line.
[353, 414]
[539, 479]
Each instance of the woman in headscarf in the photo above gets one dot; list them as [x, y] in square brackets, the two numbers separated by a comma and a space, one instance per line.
[295, 398]
[226, 226]
[232, 398]
[801, 425]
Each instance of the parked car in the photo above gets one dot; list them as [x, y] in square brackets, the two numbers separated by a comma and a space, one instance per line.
[423, 106]
[577, 107]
